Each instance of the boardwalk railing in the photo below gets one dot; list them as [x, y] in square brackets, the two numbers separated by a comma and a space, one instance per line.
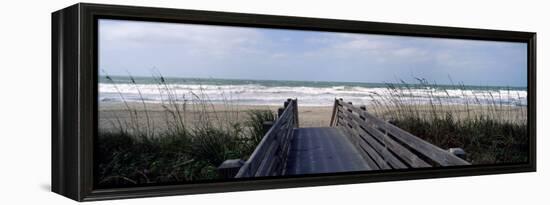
[270, 156]
[385, 146]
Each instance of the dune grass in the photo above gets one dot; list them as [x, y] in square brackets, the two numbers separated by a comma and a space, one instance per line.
[489, 130]
[137, 153]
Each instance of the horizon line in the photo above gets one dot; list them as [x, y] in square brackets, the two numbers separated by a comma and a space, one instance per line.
[325, 81]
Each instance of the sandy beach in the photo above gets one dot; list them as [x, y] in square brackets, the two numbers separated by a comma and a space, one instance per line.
[111, 113]
[501, 113]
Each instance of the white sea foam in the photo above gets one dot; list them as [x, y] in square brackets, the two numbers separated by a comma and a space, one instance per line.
[256, 94]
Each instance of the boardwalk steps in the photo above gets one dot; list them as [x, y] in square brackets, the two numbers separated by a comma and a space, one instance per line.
[323, 150]
[385, 146]
[355, 141]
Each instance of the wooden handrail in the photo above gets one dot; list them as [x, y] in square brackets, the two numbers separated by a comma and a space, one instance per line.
[334, 112]
[269, 157]
[387, 145]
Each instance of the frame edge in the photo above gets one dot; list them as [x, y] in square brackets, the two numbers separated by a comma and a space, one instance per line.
[70, 69]
[65, 170]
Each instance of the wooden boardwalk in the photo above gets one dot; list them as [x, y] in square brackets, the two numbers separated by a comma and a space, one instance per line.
[354, 141]
[322, 150]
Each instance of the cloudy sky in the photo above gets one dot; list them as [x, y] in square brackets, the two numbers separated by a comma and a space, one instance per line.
[185, 50]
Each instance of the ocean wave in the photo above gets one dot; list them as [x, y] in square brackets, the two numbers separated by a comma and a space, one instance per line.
[256, 94]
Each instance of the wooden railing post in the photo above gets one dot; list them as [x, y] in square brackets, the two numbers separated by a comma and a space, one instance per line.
[333, 118]
[297, 124]
[288, 100]
[280, 112]
[229, 168]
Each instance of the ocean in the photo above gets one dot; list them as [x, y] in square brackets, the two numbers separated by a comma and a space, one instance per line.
[309, 93]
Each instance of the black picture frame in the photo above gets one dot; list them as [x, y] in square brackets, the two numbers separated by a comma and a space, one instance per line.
[74, 104]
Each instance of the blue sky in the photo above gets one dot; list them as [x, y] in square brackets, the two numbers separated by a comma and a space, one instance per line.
[185, 50]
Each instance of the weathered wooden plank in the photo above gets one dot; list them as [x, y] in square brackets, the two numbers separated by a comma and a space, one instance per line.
[349, 132]
[263, 161]
[380, 154]
[333, 118]
[267, 163]
[368, 126]
[404, 154]
[374, 149]
[286, 143]
[295, 111]
[259, 161]
[367, 152]
[323, 150]
[431, 151]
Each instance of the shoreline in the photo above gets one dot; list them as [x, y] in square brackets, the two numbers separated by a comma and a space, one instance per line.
[110, 113]
[113, 115]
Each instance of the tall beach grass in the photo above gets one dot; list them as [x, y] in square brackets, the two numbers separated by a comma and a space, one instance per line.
[491, 129]
[136, 152]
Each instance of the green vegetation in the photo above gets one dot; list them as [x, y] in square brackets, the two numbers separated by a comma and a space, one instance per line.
[189, 150]
[489, 132]
[198, 138]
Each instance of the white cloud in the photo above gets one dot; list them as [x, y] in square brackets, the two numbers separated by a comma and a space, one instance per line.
[378, 48]
[200, 50]
[198, 39]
